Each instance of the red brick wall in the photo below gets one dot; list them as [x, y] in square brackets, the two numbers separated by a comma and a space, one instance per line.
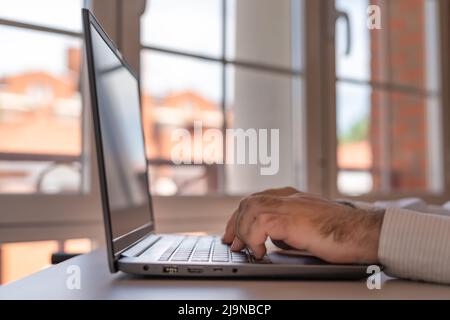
[398, 57]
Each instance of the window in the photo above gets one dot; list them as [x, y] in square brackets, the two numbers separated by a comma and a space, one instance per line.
[220, 63]
[48, 187]
[388, 99]
[21, 259]
[385, 137]
[40, 100]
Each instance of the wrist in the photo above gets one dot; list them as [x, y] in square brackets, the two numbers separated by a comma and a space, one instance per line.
[370, 230]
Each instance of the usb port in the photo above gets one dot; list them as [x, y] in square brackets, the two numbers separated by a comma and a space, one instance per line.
[170, 270]
[195, 270]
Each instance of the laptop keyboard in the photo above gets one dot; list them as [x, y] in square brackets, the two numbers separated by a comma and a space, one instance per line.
[205, 249]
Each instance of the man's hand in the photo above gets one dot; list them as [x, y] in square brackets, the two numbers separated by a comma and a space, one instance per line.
[332, 231]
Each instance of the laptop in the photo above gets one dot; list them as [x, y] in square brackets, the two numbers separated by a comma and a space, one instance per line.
[132, 244]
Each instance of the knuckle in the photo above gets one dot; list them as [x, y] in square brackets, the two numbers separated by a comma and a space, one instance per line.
[244, 203]
[254, 198]
[269, 220]
[250, 202]
[229, 226]
[263, 219]
[241, 204]
[241, 231]
[262, 192]
[260, 198]
[250, 239]
[270, 201]
[230, 222]
[290, 189]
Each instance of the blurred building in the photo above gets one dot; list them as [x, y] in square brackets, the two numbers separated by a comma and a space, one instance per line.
[40, 113]
[402, 118]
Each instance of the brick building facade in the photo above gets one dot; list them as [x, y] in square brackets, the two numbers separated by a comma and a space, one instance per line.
[398, 126]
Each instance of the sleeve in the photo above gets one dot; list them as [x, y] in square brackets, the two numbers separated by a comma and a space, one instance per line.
[415, 245]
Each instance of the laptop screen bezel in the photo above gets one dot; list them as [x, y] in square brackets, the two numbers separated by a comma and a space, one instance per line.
[115, 246]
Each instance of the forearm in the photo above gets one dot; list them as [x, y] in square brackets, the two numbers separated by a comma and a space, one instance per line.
[415, 246]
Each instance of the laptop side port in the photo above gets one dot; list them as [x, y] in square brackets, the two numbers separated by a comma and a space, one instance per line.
[194, 270]
[217, 269]
[170, 270]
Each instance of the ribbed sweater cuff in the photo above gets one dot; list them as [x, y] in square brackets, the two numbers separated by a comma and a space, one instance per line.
[415, 245]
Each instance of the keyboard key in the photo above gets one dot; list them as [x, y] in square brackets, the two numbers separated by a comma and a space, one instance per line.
[200, 259]
[184, 250]
[179, 259]
[239, 257]
[204, 249]
[220, 259]
[264, 260]
[169, 251]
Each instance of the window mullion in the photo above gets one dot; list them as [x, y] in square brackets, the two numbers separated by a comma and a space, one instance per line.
[221, 183]
[320, 99]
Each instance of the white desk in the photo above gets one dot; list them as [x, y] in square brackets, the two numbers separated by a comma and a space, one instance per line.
[98, 283]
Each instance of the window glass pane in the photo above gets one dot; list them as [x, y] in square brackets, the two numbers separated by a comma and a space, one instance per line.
[18, 260]
[413, 124]
[45, 176]
[170, 180]
[265, 31]
[261, 32]
[262, 103]
[388, 141]
[193, 26]
[59, 14]
[354, 151]
[180, 93]
[405, 51]
[40, 110]
[356, 63]
[77, 246]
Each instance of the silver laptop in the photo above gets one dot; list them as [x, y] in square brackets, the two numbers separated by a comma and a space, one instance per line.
[132, 244]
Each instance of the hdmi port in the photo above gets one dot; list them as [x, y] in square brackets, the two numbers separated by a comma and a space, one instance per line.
[195, 270]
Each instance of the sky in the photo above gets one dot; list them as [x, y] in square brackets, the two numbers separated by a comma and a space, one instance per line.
[353, 101]
[29, 50]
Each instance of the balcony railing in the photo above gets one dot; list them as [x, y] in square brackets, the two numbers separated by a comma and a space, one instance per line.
[54, 161]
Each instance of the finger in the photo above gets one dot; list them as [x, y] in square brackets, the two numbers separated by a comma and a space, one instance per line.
[244, 217]
[266, 225]
[286, 191]
[307, 196]
[254, 206]
[229, 234]
[237, 245]
[230, 230]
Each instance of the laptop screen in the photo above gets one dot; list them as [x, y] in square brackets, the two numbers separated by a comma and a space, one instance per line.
[122, 141]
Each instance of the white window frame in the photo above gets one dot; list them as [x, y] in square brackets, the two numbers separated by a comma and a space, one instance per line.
[57, 217]
[330, 170]
[33, 217]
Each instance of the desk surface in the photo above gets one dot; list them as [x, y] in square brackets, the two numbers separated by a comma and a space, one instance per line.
[98, 283]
